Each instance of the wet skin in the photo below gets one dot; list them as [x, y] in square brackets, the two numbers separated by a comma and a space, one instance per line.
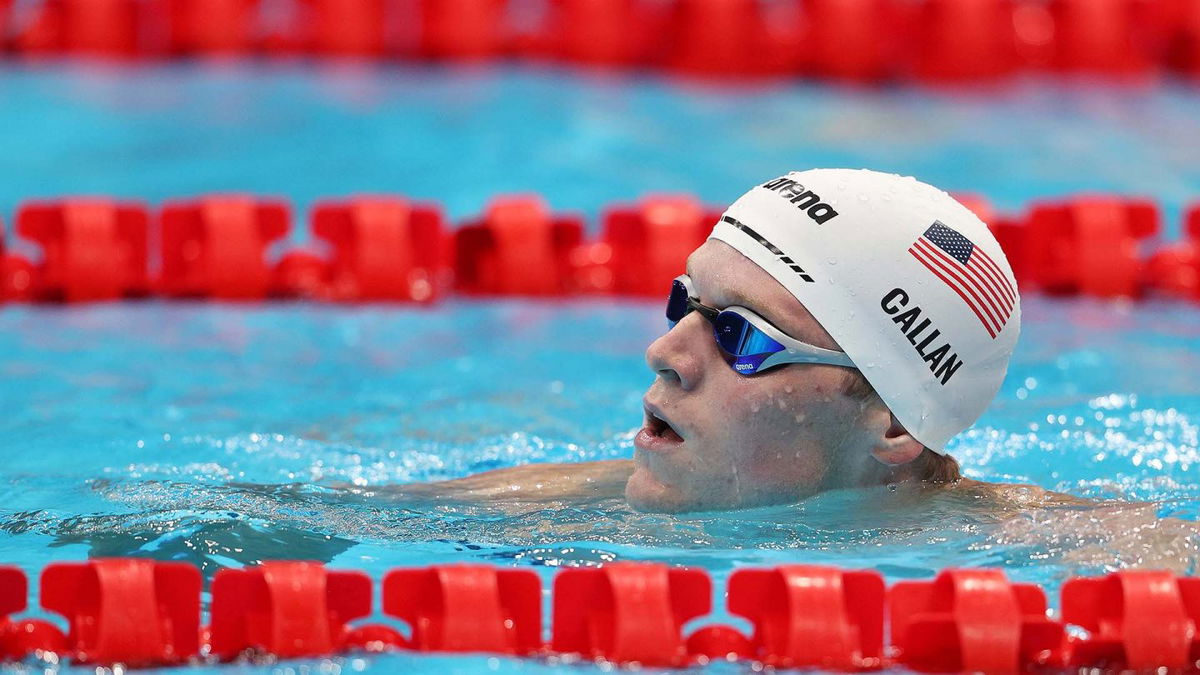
[736, 441]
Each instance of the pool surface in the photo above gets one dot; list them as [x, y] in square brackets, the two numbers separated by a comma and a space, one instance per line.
[225, 434]
[463, 135]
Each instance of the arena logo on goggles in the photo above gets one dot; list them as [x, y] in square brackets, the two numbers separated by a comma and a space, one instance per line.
[806, 200]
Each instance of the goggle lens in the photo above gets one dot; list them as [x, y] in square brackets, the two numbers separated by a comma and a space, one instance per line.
[738, 337]
[677, 303]
[744, 345]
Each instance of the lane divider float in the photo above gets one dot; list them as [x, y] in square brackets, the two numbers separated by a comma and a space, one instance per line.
[389, 248]
[140, 613]
[928, 41]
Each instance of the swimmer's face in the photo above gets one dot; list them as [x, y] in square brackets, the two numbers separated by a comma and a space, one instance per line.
[737, 441]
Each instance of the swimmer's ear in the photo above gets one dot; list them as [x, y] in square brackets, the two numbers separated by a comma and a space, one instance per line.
[896, 446]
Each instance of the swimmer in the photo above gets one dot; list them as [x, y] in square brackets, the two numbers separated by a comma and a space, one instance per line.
[835, 331]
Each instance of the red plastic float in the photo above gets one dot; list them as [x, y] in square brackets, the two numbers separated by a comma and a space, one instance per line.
[6, 7]
[290, 609]
[718, 642]
[341, 28]
[215, 247]
[40, 34]
[384, 248]
[13, 589]
[1114, 37]
[103, 28]
[723, 38]
[599, 32]
[628, 612]
[857, 40]
[961, 40]
[22, 638]
[213, 27]
[1089, 245]
[810, 616]
[27, 638]
[93, 249]
[1137, 620]
[973, 620]
[144, 613]
[6, 293]
[517, 248]
[650, 241]
[17, 277]
[127, 610]
[467, 608]
[1183, 36]
[301, 273]
[463, 29]
[1174, 270]
[1012, 233]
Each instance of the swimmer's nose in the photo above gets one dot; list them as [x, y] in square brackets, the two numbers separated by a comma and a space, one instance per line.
[680, 354]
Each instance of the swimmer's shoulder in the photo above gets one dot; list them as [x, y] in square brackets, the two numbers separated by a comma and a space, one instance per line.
[548, 481]
[1019, 494]
[1000, 500]
[568, 481]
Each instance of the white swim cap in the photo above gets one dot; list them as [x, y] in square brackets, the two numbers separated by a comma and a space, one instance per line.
[909, 282]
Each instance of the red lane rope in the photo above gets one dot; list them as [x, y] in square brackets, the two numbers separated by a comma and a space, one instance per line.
[934, 41]
[140, 613]
[388, 248]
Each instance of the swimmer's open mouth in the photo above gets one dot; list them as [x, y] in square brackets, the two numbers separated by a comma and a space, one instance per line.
[659, 427]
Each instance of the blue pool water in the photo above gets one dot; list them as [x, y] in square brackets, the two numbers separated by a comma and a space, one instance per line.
[225, 434]
[460, 136]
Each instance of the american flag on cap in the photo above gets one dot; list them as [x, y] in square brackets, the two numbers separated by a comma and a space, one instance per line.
[970, 272]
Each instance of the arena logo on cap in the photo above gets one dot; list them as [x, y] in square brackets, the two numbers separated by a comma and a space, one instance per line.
[806, 200]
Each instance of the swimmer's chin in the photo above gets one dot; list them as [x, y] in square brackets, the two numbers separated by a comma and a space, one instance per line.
[645, 493]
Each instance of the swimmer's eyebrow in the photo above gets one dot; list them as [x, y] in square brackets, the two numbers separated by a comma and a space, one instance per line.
[733, 296]
[738, 298]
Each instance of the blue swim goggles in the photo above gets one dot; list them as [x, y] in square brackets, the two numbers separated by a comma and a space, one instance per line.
[750, 343]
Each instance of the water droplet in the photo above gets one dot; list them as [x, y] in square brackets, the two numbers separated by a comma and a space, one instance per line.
[864, 198]
[832, 261]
